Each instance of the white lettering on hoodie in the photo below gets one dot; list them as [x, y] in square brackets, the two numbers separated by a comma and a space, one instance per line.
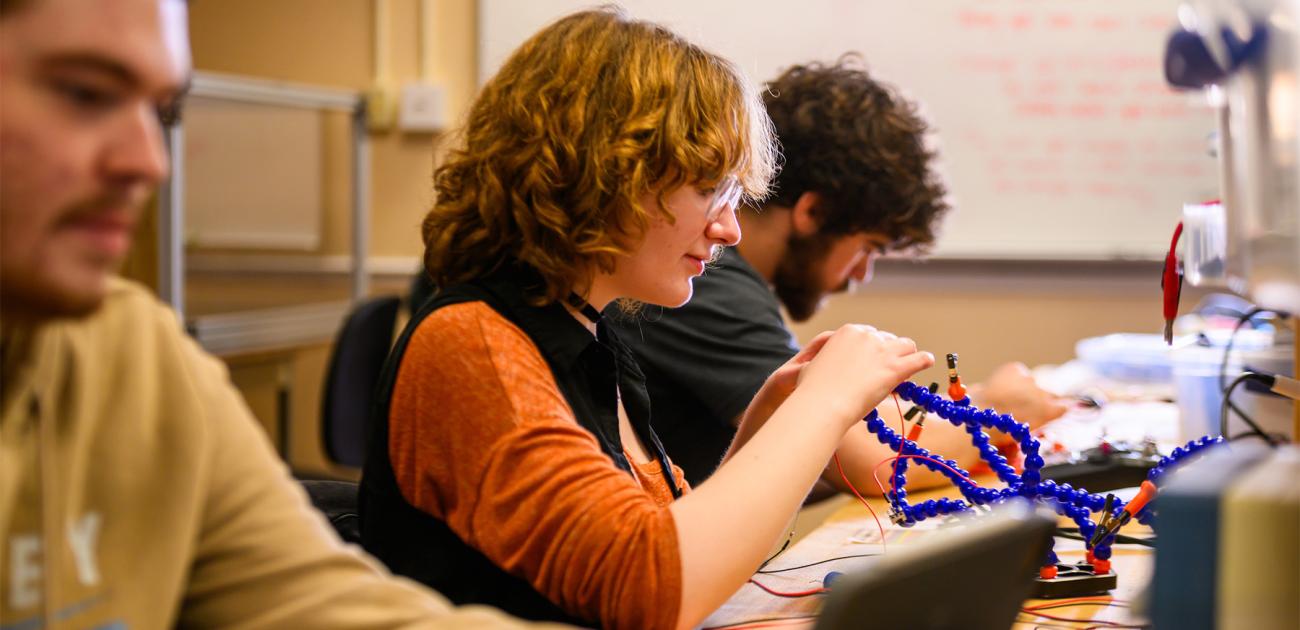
[26, 562]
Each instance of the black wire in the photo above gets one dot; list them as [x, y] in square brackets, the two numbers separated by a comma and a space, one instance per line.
[1241, 436]
[780, 551]
[1227, 350]
[1120, 539]
[813, 564]
[1073, 533]
[1223, 366]
[1108, 604]
[1227, 398]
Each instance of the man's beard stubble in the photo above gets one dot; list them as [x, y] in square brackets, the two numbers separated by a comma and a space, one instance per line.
[796, 279]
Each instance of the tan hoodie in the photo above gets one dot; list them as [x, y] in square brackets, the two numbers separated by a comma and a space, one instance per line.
[136, 491]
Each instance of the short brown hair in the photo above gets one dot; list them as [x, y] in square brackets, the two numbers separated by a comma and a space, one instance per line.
[9, 6]
[585, 118]
[859, 145]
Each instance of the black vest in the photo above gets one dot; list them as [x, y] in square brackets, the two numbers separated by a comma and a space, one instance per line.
[417, 545]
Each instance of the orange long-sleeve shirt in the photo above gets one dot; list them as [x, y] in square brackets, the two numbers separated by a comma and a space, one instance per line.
[481, 437]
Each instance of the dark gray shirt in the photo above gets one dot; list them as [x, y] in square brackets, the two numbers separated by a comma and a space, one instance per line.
[705, 361]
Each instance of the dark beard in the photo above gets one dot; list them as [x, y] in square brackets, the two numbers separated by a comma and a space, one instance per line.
[796, 279]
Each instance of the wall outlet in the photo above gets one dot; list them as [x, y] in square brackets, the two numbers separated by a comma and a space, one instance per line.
[381, 110]
[423, 108]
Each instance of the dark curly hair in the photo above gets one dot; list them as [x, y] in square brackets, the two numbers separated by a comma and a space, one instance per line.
[859, 145]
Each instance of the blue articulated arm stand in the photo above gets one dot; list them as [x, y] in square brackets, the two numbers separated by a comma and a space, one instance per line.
[1078, 504]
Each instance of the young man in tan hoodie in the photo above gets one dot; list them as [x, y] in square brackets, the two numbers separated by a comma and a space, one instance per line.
[135, 487]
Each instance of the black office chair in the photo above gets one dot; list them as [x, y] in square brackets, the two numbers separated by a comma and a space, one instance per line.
[359, 352]
[422, 289]
[337, 500]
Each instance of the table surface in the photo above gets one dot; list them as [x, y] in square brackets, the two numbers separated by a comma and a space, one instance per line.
[850, 531]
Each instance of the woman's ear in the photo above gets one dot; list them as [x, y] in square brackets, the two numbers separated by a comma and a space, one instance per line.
[804, 217]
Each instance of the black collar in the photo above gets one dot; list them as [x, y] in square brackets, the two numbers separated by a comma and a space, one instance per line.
[556, 332]
[585, 308]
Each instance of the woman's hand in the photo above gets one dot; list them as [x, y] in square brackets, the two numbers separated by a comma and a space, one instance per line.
[857, 367]
[778, 387]
[781, 383]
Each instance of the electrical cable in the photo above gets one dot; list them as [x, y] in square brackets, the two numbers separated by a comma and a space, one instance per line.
[813, 564]
[1095, 599]
[1073, 534]
[796, 594]
[1227, 354]
[1096, 623]
[785, 545]
[1103, 600]
[1227, 349]
[1242, 436]
[863, 500]
[938, 462]
[1033, 609]
[1227, 404]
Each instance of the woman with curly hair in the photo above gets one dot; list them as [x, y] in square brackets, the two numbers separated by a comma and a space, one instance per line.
[859, 178]
[512, 460]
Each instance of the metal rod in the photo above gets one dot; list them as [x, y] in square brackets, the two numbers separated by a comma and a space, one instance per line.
[171, 226]
[360, 203]
[264, 92]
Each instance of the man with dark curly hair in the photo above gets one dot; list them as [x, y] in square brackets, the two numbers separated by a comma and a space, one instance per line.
[858, 180]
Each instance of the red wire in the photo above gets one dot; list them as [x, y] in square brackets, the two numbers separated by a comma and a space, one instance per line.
[876, 476]
[814, 591]
[864, 501]
[1063, 602]
[1095, 622]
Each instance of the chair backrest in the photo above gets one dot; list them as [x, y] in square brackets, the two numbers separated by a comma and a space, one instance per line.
[337, 500]
[359, 352]
[422, 288]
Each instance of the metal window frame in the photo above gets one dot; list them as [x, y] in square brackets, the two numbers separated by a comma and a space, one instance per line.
[171, 202]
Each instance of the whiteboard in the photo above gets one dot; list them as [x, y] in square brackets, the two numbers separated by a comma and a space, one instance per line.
[253, 175]
[1058, 137]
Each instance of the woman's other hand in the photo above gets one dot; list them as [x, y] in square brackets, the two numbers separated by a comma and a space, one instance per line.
[857, 367]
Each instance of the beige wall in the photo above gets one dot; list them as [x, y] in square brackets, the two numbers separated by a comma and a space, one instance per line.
[987, 312]
[328, 43]
[993, 312]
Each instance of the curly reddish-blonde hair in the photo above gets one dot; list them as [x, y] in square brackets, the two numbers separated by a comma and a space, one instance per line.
[583, 120]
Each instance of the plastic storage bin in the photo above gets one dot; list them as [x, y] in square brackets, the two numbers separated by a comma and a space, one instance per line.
[1128, 357]
[1196, 380]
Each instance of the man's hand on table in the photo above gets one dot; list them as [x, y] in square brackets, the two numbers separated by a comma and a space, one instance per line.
[1011, 389]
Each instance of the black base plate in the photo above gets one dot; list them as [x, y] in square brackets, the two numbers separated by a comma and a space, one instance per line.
[1099, 476]
[1074, 580]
